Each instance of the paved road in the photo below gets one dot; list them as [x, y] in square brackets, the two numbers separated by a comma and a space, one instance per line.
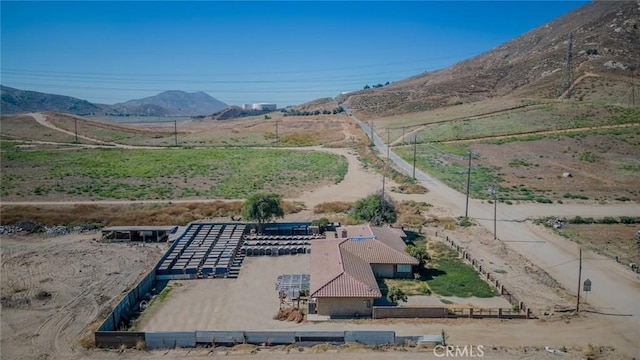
[615, 289]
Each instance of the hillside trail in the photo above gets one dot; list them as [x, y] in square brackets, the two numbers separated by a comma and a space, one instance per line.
[42, 120]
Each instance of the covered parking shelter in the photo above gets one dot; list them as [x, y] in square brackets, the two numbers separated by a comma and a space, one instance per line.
[137, 233]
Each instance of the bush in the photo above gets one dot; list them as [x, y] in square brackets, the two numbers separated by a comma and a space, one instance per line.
[581, 220]
[396, 294]
[629, 220]
[375, 209]
[321, 223]
[418, 252]
[609, 220]
[465, 222]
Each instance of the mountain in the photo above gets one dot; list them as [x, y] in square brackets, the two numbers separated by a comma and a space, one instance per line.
[601, 37]
[173, 103]
[168, 103]
[16, 101]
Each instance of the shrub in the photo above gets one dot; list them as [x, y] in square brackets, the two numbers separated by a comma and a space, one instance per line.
[465, 222]
[375, 209]
[629, 220]
[396, 294]
[581, 220]
[609, 220]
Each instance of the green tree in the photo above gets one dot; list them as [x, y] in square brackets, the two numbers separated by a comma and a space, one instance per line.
[262, 207]
[321, 223]
[418, 252]
[396, 294]
[374, 209]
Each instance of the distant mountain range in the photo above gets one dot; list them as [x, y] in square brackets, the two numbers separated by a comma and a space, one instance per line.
[168, 103]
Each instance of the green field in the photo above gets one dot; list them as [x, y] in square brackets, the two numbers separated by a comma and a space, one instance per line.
[164, 174]
[447, 163]
[547, 117]
[449, 276]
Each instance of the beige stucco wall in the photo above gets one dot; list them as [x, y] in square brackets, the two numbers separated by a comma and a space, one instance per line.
[344, 306]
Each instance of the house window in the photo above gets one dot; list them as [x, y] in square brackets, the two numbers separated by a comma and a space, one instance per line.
[403, 268]
[367, 303]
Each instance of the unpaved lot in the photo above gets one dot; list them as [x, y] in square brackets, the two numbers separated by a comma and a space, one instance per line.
[53, 288]
[248, 302]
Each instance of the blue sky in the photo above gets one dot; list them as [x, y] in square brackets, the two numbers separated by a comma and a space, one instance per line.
[247, 52]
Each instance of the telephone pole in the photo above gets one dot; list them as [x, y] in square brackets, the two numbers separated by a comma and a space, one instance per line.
[568, 77]
[175, 131]
[415, 143]
[75, 124]
[371, 131]
[494, 191]
[388, 143]
[466, 208]
[579, 281]
[633, 87]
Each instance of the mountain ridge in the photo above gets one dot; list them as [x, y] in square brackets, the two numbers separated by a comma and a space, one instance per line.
[167, 103]
[532, 65]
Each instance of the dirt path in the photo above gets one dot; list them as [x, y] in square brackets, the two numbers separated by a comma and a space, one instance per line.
[42, 120]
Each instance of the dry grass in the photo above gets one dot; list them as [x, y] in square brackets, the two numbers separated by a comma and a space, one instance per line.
[130, 214]
[292, 207]
[333, 207]
[88, 341]
[290, 314]
[141, 344]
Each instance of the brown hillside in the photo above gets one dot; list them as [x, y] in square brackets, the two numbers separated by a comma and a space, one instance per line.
[605, 51]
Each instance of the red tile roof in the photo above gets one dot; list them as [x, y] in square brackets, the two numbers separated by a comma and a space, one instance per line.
[342, 267]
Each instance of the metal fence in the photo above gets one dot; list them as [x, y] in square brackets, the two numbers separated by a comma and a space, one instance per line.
[121, 313]
[173, 339]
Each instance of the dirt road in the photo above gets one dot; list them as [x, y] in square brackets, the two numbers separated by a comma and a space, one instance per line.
[617, 290]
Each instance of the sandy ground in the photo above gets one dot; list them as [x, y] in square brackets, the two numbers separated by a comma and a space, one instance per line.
[248, 302]
[53, 288]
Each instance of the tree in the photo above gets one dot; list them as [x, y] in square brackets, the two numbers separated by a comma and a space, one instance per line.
[396, 294]
[418, 252]
[321, 223]
[374, 209]
[262, 207]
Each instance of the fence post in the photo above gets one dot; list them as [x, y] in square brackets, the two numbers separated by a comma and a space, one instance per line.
[470, 312]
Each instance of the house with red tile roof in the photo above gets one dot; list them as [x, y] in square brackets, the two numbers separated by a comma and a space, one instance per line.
[344, 268]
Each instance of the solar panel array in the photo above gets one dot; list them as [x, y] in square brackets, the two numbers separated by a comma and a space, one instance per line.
[287, 282]
[204, 249]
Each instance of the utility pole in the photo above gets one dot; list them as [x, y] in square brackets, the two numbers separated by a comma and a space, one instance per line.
[579, 281]
[388, 143]
[633, 88]
[494, 191]
[568, 78]
[75, 124]
[466, 208]
[415, 143]
[371, 131]
[277, 136]
[175, 131]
